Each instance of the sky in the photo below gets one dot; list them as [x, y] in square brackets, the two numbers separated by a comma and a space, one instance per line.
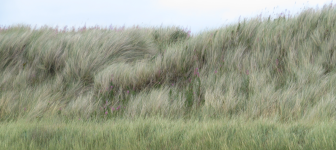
[193, 15]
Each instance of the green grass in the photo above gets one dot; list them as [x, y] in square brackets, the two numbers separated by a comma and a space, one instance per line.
[257, 84]
[158, 133]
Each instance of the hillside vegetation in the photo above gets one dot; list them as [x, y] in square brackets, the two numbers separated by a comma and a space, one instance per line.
[274, 78]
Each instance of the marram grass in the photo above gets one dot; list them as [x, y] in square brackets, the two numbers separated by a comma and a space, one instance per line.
[258, 84]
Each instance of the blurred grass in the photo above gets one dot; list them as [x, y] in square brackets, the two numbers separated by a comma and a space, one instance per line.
[272, 76]
[158, 133]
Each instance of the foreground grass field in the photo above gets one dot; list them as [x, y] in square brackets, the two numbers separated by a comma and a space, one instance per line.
[158, 133]
[260, 84]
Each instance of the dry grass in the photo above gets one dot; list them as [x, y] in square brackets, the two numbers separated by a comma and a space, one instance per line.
[278, 70]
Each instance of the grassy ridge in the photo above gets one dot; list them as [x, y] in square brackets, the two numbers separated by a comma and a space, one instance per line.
[279, 70]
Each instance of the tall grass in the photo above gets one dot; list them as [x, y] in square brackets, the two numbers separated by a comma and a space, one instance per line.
[280, 70]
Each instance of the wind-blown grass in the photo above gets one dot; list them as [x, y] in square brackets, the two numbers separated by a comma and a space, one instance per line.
[279, 70]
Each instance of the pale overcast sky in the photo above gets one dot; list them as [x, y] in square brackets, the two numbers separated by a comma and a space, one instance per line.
[196, 15]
